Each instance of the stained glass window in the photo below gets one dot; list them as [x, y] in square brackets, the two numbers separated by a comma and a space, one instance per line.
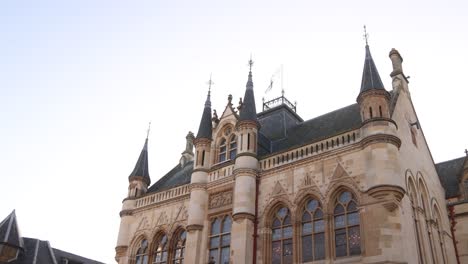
[220, 240]
[142, 253]
[160, 254]
[282, 243]
[346, 225]
[313, 232]
[179, 247]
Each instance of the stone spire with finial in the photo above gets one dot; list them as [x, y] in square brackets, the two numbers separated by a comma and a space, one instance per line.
[205, 128]
[248, 110]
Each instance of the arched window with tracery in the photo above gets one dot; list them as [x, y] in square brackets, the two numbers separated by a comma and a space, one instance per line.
[414, 212]
[346, 225]
[160, 250]
[220, 240]
[179, 247]
[142, 253]
[222, 150]
[313, 232]
[282, 232]
[440, 236]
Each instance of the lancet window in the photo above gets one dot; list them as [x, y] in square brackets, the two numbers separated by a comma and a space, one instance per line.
[282, 242]
[313, 232]
[142, 253]
[227, 149]
[346, 226]
[220, 240]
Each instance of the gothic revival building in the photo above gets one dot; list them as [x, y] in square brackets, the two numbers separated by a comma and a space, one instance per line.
[356, 185]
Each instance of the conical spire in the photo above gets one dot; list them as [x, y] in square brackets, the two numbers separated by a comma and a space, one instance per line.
[370, 75]
[9, 232]
[141, 167]
[205, 128]
[248, 110]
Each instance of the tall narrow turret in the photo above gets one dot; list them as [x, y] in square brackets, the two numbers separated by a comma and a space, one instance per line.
[139, 179]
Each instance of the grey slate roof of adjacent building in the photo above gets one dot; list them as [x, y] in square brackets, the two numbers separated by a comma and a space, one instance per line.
[205, 128]
[9, 231]
[176, 177]
[141, 167]
[248, 110]
[449, 173]
[370, 75]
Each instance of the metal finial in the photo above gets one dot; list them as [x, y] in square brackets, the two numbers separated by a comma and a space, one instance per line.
[250, 62]
[210, 82]
[147, 131]
[366, 36]
[466, 152]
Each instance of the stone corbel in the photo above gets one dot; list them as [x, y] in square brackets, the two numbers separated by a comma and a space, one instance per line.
[120, 251]
[389, 195]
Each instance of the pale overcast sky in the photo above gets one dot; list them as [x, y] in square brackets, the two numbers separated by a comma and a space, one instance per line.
[80, 80]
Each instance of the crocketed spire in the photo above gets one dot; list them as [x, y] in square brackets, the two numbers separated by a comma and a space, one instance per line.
[141, 167]
[248, 110]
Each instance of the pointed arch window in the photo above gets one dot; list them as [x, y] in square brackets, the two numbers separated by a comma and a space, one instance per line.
[160, 253]
[179, 247]
[220, 240]
[346, 226]
[142, 253]
[222, 150]
[232, 147]
[313, 232]
[282, 232]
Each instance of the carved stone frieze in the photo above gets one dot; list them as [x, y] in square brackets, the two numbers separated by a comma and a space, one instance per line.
[220, 199]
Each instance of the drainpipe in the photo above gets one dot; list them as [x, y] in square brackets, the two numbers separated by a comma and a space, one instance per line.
[452, 230]
[254, 261]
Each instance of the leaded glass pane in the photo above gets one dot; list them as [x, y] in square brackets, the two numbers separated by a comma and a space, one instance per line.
[287, 251]
[339, 221]
[225, 255]
[319, 226]
[318, 214]
[312, 205]
[287, 220]
[288, 232]
[222, 149]
[222, 157]
[352, 206]
[277, 234]
[319, 246]
[225, 240]
[339, 209]
[214, 242]
[345, 197]
[307, 248]
[214, 255]
[276, 252]
[306, 228]
[353, 218]
[145, 260]
[340, 242]
[354, 241]
[282, 212]
[139, 260]
[215, 227]
[227, 224]
[232, 154]
[306, 217]
[276, 223]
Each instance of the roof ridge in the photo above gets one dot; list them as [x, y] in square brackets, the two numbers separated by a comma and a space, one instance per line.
[449, 160]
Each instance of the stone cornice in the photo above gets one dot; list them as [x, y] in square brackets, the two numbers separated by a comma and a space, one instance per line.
[245, 172]
[125, 213]
[248, 154]
[242, 215]
[373, 92]
[248, 124]
[377, 119]
[381, 138]
[139, 178]
[201, 141]
[198, 185]
[194, 227]
[201, 170]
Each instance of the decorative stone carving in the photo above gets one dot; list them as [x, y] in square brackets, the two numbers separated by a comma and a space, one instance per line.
[220, 199]
[143, 224]
[162, 219]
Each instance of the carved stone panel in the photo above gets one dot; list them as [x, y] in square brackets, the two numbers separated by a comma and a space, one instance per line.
[220, 199]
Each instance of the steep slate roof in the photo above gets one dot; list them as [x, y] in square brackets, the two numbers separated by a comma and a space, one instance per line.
[141, 167]
[176, 177]
[40, 252]
[370, 75]
[449, 173]
[9, 231]
[205, 129]
[248, 111]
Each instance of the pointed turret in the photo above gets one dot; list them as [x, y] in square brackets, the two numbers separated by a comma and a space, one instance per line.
[370, 76]
[11, 241]
[248, 110]
[141, 167]
[205, 128]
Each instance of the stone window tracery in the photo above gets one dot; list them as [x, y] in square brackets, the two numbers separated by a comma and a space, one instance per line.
[220, 240]
[179, 247]
[227, 149]
[142, 253]
[282, 242]
[313, 232]
[346, 226]
[160, 253]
